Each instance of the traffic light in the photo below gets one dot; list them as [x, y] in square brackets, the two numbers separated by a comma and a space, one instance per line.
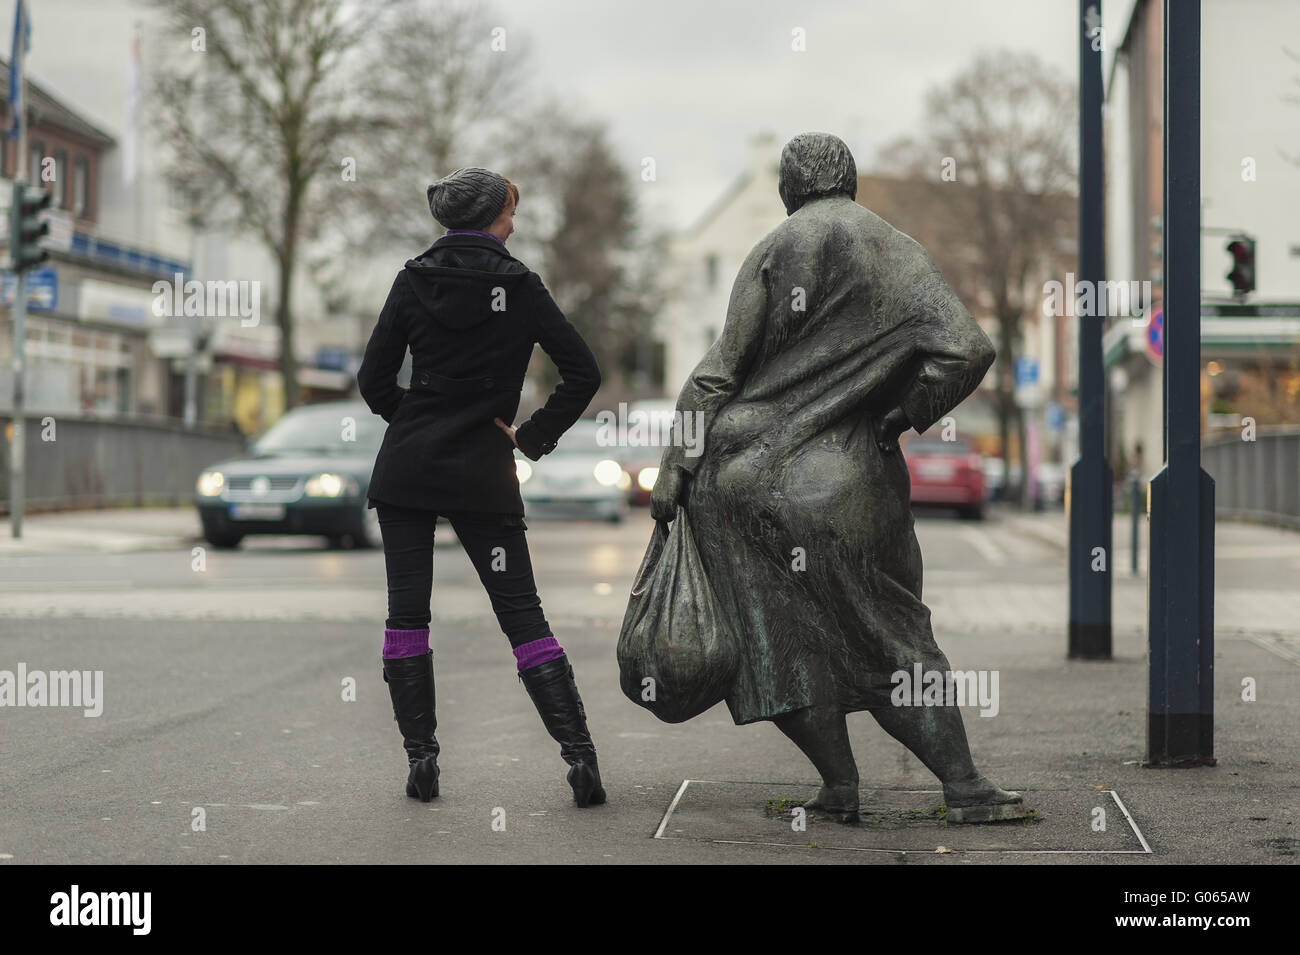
[26, 228]
[1242, 276]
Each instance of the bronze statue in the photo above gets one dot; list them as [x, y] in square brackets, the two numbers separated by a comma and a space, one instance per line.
[840, 335]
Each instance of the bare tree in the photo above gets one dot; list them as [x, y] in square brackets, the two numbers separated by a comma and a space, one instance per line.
[256, 110]
[578, 221]
[450, 89]
[1004, 133]
[448, 84]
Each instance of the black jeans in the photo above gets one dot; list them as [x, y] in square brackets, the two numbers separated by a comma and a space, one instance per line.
[496, 546]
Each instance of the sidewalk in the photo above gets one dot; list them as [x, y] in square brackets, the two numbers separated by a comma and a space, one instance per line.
[1067, 733]
[112, 530]
[1053, 527]
[289, 773]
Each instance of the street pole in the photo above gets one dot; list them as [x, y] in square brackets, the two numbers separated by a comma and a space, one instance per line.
[18, 439]
[1090, 478]
[18, 443]
[192, 358]
[1180, 701]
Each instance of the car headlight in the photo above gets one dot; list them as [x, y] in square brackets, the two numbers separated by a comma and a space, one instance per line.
[607, 472]
[210, 483]
[325, 485]
[646, 478]
[523, 470]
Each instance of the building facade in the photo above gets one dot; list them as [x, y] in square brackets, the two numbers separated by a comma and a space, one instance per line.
[705, 259]
[1250, 186]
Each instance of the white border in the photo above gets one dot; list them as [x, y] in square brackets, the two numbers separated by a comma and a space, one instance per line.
[681, 791]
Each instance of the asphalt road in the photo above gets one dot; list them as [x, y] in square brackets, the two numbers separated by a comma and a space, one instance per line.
[225, 735]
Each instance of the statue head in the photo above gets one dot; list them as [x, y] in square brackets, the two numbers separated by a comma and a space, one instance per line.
[814, 165]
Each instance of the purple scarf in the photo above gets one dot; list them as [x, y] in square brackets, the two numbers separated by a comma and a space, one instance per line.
[472, 232]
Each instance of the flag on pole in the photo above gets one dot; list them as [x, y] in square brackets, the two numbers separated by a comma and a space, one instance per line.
[129, 142]
[22, 43]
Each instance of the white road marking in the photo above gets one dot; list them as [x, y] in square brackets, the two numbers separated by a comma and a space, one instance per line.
[983, 543]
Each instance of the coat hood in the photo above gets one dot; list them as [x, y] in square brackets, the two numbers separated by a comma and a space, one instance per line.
[460, 297]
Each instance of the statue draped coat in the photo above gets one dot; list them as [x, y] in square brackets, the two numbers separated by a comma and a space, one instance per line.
[803, 525]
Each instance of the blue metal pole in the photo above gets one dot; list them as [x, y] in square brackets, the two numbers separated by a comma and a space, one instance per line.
[1180, 717]
[1091, 504]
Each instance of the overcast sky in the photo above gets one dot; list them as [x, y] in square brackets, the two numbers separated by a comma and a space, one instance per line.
[685, 81]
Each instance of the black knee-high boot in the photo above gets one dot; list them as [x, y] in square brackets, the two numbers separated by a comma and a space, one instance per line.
[410, 684]
[555, 694]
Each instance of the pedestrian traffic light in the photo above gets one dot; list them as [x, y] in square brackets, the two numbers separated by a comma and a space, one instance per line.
[1242, 276]
[26, 228]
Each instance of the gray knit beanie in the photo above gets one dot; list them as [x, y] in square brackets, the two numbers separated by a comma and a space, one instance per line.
[468, 198]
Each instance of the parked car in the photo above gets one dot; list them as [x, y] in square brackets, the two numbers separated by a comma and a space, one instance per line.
[307, 475]
[1051, 481]
[641, 461]
[995, 477]
[947, 474]
[580, 478]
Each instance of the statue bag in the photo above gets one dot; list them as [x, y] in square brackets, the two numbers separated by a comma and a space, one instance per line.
[676, 655]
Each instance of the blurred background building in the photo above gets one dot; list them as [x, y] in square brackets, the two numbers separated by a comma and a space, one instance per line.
[95, 343]
[1250, 187]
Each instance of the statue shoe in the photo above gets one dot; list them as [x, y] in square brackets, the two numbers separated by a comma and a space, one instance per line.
[976, 799]
[838, 802]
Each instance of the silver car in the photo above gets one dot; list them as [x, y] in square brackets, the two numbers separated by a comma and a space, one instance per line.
[580, 478]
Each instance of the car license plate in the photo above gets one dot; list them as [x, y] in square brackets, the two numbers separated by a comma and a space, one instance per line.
[257, 512]
[935, 470]
[563, 483]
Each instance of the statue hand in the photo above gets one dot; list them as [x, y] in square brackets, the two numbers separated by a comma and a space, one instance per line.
[665, 494]
[889, 428]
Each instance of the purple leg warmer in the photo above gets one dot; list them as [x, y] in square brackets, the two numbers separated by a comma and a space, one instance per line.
[405, 643]
[537, 651]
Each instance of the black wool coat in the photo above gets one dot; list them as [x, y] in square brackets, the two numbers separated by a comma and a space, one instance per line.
[470, 314]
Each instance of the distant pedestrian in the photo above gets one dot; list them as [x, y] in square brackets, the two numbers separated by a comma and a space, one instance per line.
[470, 314]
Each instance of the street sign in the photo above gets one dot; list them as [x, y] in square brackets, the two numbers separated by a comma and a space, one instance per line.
[42, 288]
[1026, 370]
[1155, 335]
[1055, 416]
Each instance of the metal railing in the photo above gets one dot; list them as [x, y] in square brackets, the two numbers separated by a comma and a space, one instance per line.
[104, 462]
[1256, 480]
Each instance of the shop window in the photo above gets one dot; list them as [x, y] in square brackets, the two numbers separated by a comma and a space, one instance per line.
[35, 153]
[60, 184]
[711, 271]
[81, 188]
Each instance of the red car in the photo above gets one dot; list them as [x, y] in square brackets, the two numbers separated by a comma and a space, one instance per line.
[641, 461]
[946, 474]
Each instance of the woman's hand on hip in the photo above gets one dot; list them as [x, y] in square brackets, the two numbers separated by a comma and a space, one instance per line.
[509, 429]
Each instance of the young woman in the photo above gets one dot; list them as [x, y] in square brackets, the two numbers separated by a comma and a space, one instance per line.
[470, 314]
